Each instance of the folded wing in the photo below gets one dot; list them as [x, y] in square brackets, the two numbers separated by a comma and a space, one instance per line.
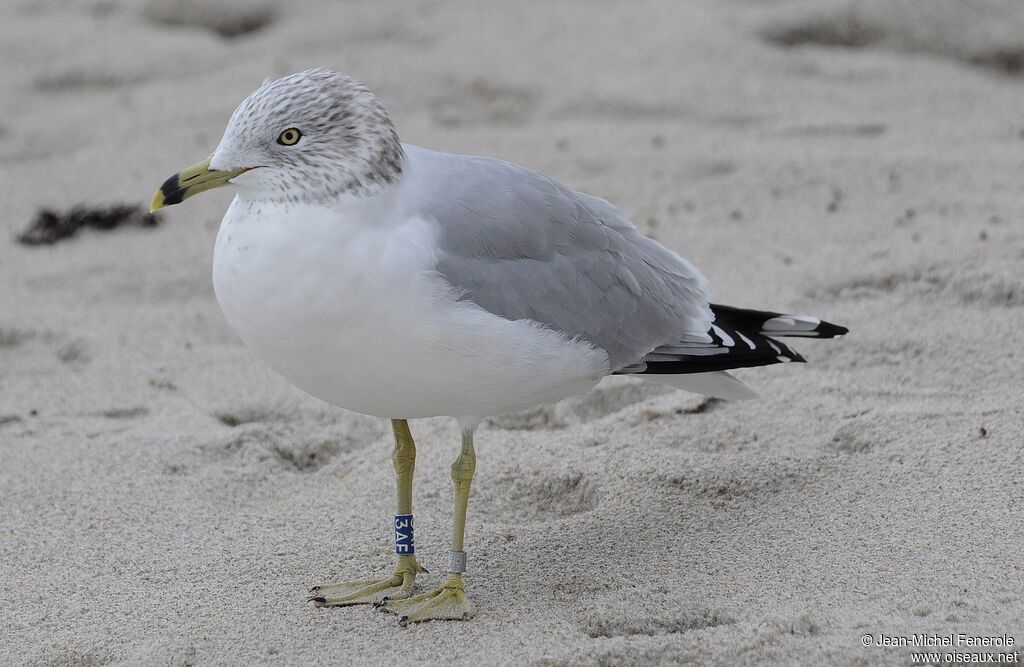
[522, 246]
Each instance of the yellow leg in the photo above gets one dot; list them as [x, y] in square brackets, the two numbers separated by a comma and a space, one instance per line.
[401, 582]
[448, 601]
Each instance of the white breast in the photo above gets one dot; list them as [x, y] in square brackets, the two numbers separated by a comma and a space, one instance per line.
[345, 305]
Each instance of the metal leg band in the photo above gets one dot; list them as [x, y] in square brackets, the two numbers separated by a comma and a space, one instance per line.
[456, 562]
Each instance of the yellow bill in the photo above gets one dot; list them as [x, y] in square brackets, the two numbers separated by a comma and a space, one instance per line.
[191, 181]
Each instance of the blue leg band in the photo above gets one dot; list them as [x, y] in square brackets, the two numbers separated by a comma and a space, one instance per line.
[404, 544]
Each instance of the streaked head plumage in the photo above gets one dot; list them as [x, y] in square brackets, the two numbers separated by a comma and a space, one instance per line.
[310, 136]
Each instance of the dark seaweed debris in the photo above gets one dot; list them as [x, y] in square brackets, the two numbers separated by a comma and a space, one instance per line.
[51, 226]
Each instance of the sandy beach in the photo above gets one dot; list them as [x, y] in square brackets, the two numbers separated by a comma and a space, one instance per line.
[165, 499]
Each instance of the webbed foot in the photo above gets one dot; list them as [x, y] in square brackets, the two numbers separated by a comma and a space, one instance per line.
[398, 586]
[446, 603]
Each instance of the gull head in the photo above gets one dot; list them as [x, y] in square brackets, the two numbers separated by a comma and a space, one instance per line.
[311, 136]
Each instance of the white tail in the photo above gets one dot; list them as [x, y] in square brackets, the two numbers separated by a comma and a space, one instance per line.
[718, 384]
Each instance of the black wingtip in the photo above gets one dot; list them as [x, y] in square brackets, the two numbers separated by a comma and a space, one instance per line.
[829, 330]
[755, 320]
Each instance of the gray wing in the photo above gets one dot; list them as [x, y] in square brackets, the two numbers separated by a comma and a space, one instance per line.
[522, 246]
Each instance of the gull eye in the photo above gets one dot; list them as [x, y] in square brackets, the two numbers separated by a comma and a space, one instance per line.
[289, 137]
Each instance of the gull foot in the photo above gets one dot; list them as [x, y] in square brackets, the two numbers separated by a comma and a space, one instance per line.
[366, 591]
[446, 603]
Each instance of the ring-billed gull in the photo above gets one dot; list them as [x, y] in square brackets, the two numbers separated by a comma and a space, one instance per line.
[401, 282]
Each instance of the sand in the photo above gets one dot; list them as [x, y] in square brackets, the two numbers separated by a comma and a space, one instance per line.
[166, 500]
